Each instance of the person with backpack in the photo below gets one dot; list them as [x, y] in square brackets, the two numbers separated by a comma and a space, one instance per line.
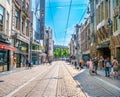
[107, 66]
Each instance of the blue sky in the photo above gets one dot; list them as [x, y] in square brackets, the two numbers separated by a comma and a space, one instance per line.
[56, 18]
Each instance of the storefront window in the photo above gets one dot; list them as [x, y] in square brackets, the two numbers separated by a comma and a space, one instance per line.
[3, 60]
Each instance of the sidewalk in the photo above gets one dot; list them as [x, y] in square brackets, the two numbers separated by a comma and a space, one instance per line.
[97, 85]
[101, 74]
[15, 70]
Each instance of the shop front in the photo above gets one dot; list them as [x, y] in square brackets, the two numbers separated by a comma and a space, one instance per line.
[104, 50]
[5, 49]
[4, 60]
[35, 53]
[21, 55]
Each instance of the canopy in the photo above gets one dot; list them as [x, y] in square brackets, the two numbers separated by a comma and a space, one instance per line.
[7, 47]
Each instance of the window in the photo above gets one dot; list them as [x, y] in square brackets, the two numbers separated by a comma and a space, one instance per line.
[1, 18]
[27, 7]
[96, 1]
[23, 3]
[117, 2]
[115, 23]
[106, 9]
[7, 23]
[23, 25]
[17, 20]
[27, 29]
[98, 14]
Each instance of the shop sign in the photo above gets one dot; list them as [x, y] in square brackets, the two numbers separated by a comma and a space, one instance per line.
[42, 48]
[4, 38]
[24, 49]
[104, 45]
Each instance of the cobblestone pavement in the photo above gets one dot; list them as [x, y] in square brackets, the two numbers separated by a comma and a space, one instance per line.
[41, 81]
[97, 85]
[58, 80]
[67, 87]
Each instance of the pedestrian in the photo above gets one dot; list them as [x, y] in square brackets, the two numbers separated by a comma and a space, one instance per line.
[95, 64]
[75, 63]
[29, 64]
[107, 67]
[101, 62]
[115, 68]
[90, 64]
[80, 65]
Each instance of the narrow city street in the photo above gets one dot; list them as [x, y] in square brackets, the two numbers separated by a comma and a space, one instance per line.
[60, 79]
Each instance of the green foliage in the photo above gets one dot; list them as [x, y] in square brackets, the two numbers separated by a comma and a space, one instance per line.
[60, 53]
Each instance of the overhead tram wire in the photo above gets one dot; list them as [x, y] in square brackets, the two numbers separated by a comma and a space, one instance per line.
[73, 5]
[82, 17]
[52, 20]
[67, 21]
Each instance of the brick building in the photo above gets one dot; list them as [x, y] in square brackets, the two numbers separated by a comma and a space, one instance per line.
[20, 31]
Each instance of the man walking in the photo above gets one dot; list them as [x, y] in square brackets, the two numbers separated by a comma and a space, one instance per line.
[95, 62]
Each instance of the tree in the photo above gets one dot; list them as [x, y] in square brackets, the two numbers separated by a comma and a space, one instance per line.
[60, 53]
[66, 52]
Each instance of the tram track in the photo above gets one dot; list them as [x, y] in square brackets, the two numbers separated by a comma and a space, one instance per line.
[39, 81]
[60, 89]
[66, 85]
[80, 87]
[31, 85]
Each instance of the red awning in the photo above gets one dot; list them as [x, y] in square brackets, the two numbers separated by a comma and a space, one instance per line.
[7, 47]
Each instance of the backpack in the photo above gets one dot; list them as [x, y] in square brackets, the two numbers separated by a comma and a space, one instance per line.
[108, 64]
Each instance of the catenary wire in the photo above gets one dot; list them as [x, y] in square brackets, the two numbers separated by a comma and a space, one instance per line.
[67, 22]
[52, 20]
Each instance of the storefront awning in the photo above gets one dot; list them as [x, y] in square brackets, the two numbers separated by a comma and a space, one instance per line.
[7, 47]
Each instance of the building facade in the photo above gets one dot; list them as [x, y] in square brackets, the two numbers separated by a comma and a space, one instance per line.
[105, 19]
[20, 31]
[73, 49]
[93, 28]
[103, 30]
[85, 40]
[38, 27]
[5, 30]
[35, 31]
[48, 43]
[115, 38]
